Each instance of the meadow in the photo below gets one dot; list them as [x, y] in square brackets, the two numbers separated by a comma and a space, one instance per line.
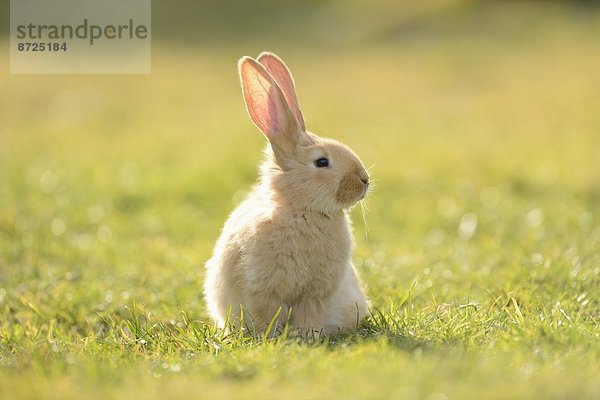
[479, 245]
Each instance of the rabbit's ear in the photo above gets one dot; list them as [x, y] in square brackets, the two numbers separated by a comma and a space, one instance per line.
[266, 103]
[282, 75]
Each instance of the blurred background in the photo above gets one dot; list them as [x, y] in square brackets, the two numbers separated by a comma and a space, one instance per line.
[480, 118]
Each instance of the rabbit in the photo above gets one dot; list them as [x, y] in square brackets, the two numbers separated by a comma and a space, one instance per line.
[284, 254]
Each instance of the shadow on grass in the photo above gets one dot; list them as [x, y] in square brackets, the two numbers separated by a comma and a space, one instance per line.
[135, 329]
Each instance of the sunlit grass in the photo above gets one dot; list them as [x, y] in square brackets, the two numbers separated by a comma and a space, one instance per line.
[480, 244]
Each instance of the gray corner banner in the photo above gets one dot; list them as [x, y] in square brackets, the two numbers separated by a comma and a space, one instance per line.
[80, 36]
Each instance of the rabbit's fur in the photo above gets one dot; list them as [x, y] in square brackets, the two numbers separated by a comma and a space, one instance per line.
[286, 250]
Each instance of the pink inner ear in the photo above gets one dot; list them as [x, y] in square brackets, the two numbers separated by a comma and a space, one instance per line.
[284, 79]
[263, 101]
[273, 112]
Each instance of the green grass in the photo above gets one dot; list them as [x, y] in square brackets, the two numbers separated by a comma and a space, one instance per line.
[481, 249]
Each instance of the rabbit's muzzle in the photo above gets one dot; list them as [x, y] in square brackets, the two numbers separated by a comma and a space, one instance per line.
[353, 187]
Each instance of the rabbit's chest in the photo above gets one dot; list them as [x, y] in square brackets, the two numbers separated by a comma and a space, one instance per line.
[307, 254]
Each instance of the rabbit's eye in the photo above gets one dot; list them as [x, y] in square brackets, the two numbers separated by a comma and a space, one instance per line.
[322, 162]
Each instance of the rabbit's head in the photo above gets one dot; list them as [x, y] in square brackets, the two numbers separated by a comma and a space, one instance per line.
[303, 169]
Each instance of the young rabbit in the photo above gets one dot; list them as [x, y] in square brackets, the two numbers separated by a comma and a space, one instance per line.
[286, 250]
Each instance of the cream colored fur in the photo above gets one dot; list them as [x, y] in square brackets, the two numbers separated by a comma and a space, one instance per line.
[287, 248]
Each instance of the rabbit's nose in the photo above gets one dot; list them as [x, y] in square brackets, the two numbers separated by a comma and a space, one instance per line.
[363, 176]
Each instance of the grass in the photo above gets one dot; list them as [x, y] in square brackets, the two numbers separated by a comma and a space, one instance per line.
[481, 249]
